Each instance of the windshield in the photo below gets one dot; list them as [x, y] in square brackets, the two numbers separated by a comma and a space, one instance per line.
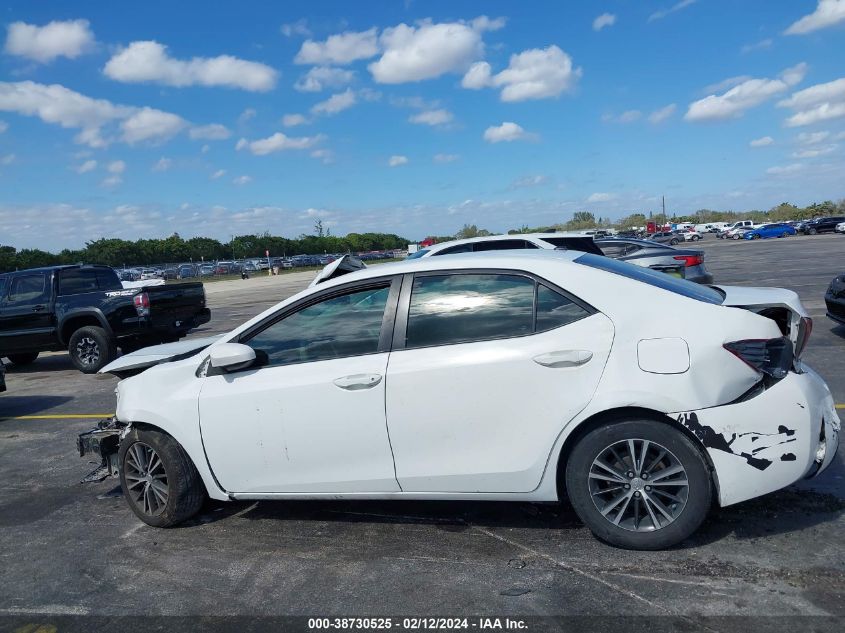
[653, 278]
[418, 254]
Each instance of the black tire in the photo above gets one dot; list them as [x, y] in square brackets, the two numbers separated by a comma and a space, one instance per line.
[699, 490]
[756, 236]
[185, 491]
[23, 359]
[785, 234]
[673, 242]
[811, 231]
[91, 349]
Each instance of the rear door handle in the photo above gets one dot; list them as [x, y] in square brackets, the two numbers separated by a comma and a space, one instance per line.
[356, 382]
[564, 358]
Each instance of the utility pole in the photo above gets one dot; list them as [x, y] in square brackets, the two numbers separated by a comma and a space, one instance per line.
[663, 198]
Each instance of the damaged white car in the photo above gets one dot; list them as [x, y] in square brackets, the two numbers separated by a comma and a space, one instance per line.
[520, 375]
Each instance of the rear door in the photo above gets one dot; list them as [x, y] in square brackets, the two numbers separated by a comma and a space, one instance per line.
[26, 315]
[487, 368]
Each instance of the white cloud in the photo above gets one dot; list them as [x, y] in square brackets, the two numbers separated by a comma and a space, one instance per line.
[88, 165]
[246, 115]
[59, 105]
[811, 138]
[762, 142]
[397, 160]
[152, 125]
[529, 181]
[116, 167]
[218, 174]
[785, 169]
[660, 115]
[211, 132]
[629, 116]
[163, 164]
[205, 148]
[149, 62]
[242, 180]
[292, 120]
[605, 19]
[278, 142]
[321, 77]
[507, 131]
[445, 158]
[334, 104]
[3, 126]
[325, 156]
[821, 102]
[341, 48]
[812, 152]
[7, 160]
[428, 50]
[730, 82]
[532, 74]
[657, 15]
[432, 117]
[757, 46]
[827, 13]
[747, 94]
[601, 197]
[43, 44]
[300, 27]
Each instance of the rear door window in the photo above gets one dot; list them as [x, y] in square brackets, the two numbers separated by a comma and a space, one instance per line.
[75, 281]
[502, 245]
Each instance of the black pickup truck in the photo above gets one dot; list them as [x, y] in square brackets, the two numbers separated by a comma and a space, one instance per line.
[85, 310]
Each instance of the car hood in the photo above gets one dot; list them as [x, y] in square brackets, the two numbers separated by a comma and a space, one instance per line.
[133, 363]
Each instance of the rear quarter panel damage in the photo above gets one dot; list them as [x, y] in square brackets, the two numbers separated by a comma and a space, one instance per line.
[769, 441]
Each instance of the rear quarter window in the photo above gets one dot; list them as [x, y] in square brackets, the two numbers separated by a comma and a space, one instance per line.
[681, 287]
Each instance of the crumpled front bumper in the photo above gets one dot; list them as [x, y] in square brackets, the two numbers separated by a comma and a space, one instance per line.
[764, 443]
[103, 441]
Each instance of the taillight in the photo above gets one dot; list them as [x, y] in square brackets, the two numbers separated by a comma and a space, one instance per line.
[805, 328]
[142, 304]
[690, 260]
[772, 357]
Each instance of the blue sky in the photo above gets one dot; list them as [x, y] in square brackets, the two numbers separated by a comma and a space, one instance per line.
[139, 119]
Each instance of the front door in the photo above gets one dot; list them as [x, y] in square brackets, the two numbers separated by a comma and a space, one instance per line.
[310, 417]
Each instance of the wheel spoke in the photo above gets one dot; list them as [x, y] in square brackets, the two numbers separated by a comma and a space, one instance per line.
[668, 495]
[643, 454]
[622, 509]
[660, 507]
[673, 482]
[667, 472]
[620, 477]
[660, 455]
[604, 491]
[651, 514]
[632, 451]
[615, 502]
[599, 476]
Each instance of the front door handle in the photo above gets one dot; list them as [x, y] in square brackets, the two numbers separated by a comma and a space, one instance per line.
[564, 358]
[38, 308]
[356, 382]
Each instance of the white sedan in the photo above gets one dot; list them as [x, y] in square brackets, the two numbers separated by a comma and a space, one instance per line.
[522, 376]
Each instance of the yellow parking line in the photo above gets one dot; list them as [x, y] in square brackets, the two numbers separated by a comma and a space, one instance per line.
[840, 406]
[63, 416]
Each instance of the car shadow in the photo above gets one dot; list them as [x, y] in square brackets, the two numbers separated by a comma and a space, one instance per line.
[15, 406]
[53, 362]
[838, 330]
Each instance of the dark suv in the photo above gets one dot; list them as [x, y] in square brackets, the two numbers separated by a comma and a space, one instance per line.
[820, 225]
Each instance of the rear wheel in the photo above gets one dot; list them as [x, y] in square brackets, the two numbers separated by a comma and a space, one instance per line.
[23, 359]
[160, 483]
[756, 236]
[785, 234]
[673, 242]
[639, 484]
[811, 231]
[91, 349]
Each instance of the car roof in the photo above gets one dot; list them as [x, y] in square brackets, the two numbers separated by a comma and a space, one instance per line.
[491, 238]
[507, 260]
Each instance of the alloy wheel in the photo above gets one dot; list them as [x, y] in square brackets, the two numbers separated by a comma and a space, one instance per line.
[638, 485]
[146, 479]
[88, 351]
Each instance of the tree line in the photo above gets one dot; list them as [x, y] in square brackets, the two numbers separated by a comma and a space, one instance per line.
[175, 249]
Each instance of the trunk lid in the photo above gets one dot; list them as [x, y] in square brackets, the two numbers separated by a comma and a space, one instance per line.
[344, 265]
[170, 304]
[779, 304]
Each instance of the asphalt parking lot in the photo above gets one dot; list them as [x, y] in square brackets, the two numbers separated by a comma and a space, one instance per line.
[68, 549]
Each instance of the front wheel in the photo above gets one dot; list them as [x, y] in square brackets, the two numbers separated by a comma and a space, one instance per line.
[639, 484]
[812, 232]
[673, 242]
[91, 349]
[785, 234]
[756, 236]
[160, 483]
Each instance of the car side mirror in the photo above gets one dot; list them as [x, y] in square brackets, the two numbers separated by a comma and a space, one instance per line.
[231, 356]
